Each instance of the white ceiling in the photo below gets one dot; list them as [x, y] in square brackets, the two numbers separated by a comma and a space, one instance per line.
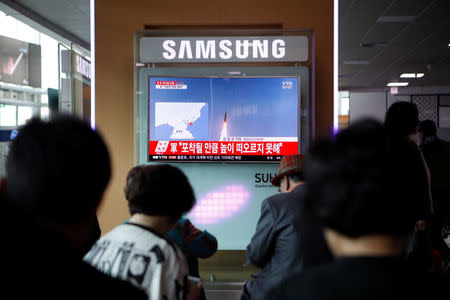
[420, 45]
[70, 19]
[418, 42]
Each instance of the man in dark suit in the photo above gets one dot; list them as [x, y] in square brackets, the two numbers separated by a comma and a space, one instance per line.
[286, 241]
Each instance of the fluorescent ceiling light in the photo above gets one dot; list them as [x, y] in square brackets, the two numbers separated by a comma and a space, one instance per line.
[396, 19]
[373, 44]
[92, 85]
[408, 75]
[412, 75]
[234, 73]
[397, 84]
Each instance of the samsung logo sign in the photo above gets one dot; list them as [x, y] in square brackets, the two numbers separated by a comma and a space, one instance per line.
[83, 66]
[204, 49]
[224, 49]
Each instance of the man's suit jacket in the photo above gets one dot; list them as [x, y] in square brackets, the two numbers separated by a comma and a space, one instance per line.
[286, 241]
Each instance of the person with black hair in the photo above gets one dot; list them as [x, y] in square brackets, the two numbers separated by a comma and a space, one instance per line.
[138, 250]
[57, 172]
[360, 192]
[401, 123]
[286, 240]
[437, 155]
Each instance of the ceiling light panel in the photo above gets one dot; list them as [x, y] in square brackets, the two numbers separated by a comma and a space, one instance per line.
[397, 84]
[373, 44]
[408, 75]
[412, 75]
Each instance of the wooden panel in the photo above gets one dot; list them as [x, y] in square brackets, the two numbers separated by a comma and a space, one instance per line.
[343, 121]
[115, 23]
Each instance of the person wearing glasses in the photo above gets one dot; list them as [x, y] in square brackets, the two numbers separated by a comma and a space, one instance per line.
[285, 241]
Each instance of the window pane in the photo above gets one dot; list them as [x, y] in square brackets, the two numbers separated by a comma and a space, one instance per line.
[24, 113]
[44, 113]
[7, 115]
[345, 106]
[345, 94]
[44, 99]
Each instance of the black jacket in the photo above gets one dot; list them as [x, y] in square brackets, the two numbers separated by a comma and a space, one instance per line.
[39, 263]
[355, 278]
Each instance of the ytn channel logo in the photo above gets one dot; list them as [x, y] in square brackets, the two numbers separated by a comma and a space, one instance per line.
[287, 85]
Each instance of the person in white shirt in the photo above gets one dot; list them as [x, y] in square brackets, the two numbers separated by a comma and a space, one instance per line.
[138, 251]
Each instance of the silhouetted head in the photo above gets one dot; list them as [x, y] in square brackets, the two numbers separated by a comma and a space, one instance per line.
[402, 118]
[356, 186]
[57, 170]
[427, 128]
[159, 190]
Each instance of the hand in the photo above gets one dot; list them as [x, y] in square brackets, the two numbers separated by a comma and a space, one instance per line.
[194, 290]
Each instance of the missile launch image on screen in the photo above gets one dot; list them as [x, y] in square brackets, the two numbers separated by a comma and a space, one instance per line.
[224, 132]
[222, 119]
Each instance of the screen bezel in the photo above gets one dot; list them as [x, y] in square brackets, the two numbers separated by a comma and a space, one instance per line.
[141, 104]
[275, 158]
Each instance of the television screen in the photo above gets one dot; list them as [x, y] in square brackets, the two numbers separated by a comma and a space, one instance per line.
[20, 62]
[225, 119]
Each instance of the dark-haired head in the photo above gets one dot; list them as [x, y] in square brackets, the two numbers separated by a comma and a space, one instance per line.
[427, 128]
[57, 170]
[159, 190]
[355, 186]
[402, 118]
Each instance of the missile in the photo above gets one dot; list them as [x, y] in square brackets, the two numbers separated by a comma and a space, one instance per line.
[224, 133]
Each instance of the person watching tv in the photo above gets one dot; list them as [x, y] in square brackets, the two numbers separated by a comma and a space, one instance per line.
[138, 250]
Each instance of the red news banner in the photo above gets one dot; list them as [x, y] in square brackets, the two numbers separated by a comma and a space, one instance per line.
[222, 148]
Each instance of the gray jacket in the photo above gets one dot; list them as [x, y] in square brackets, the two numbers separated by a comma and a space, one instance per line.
[286, 241]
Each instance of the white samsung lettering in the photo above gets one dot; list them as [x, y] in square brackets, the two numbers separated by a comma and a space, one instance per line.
[262, 48]
[170, 52]
[185, 46]
[79, 70]
[242, 50]
[83, 67]
[278, 48]
[203, 52]
[224, 45]
[208, 49]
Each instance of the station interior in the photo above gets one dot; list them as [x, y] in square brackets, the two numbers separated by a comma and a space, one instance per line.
[90, 58]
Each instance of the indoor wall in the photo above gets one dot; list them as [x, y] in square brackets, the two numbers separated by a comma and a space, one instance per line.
[115, 23]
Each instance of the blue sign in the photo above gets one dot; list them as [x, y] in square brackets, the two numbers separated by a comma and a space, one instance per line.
[13, 134]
